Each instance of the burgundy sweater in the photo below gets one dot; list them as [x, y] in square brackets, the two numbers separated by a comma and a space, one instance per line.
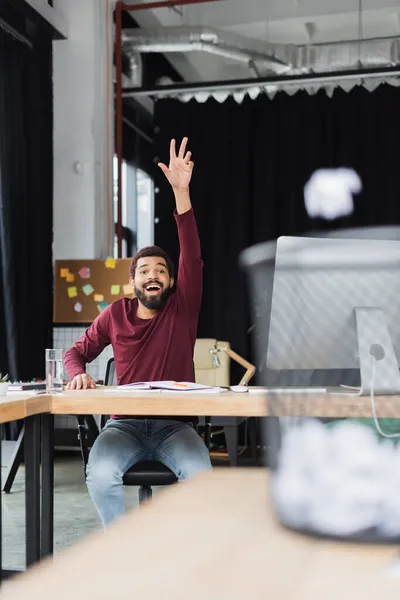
[155, 349]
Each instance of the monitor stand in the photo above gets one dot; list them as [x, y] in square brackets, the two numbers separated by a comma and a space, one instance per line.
[374, 342]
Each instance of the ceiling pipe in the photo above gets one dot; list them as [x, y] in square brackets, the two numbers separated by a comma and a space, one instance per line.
[132, 71]
[266, 56]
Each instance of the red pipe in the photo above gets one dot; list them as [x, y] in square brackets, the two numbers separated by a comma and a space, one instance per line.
[162, 4]
[118, 115]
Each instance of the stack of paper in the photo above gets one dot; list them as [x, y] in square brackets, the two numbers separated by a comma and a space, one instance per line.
[168, 386]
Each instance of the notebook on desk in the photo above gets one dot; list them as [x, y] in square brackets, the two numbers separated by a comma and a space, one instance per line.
[38, 386]
[166, 386]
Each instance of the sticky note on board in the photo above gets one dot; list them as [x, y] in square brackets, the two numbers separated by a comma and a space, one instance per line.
[88, 289]
[128, 289]
[78, 307]
[84, 273]
[72, 292]
[70, 278]
[64, 272]
[110, 263]
[101, 306]
[115, 290]
[98, 297]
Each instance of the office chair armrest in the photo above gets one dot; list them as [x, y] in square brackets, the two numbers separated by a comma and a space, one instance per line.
[83, 441]
[207, 432]
[86, 425]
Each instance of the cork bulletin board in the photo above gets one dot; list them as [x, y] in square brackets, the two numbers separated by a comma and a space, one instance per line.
[83, 288]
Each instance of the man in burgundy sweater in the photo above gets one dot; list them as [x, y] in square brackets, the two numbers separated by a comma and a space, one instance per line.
[153, 337]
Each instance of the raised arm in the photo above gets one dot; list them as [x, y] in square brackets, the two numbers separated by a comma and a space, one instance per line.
[86, 349]
[190, 271]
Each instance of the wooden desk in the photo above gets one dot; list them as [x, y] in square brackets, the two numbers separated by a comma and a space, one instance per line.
[332, 404]
[19, 406]
[38, 413]
[212, 537]
[226, 404]
[32, 408]
[99, 401]
[255, 404]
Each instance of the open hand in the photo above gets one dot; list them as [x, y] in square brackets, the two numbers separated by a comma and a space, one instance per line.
[179, 171]
[81, 382]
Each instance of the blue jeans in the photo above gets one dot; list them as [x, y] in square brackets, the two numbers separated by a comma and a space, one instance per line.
[124, 442]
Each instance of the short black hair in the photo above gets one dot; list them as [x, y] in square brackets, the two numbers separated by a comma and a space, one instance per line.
[151, 251]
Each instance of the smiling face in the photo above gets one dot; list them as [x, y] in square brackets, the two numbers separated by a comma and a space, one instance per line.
[152, 282]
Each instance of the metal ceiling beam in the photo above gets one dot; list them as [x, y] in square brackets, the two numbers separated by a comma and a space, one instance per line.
[240, 84]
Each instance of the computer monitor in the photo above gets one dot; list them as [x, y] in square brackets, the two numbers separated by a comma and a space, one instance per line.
[336, 305]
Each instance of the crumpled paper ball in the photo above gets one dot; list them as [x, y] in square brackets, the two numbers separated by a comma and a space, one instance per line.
[339, 480]
[329, 193]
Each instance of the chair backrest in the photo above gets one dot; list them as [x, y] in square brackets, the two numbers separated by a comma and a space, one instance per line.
[110, 378]
[212, 364]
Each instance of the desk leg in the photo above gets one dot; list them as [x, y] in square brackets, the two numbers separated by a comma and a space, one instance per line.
[47, 516]
[32, 488]
[1, 521]
[16, 460]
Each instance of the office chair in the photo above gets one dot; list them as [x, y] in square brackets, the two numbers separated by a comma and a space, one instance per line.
[144, 474]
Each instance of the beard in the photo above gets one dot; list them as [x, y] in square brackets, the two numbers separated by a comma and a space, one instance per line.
[153, 302]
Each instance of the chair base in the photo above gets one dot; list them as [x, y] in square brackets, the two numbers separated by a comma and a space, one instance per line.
[145, 493]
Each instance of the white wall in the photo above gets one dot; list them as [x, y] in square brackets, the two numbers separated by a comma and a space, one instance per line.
[83, 130]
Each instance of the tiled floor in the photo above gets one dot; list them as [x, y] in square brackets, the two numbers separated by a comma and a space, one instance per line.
[74, 513]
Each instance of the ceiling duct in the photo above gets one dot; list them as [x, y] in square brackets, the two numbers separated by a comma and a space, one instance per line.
[265, 58]
[258, 55]
[132, 69]
[353, 54]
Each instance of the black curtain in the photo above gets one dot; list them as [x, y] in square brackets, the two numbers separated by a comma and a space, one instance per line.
[138, 149]
[251, 163]
[26, 215]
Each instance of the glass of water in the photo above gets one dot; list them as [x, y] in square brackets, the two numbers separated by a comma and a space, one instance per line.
[54, 370]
